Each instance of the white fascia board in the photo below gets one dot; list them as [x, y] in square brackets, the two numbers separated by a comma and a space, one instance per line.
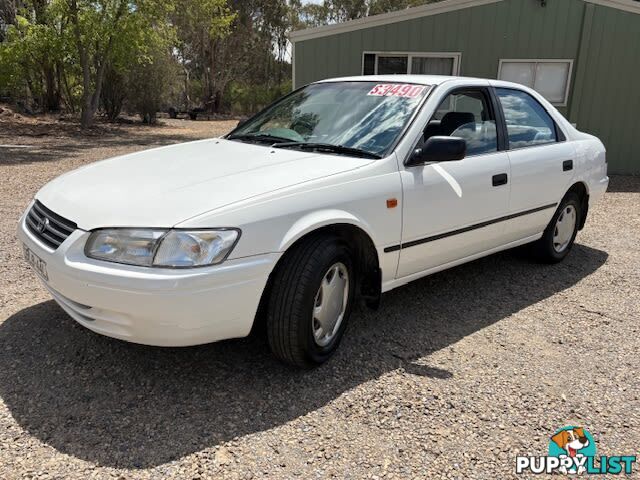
[425, 11]
[626, 5]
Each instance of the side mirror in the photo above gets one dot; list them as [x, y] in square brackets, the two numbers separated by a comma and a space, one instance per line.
[439, 149]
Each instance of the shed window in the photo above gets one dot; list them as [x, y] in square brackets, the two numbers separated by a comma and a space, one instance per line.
[432, 66]
[550, 78]
[369, 64]
[390, 63]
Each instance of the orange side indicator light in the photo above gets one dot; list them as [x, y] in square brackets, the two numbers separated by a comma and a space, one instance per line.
[392, 203]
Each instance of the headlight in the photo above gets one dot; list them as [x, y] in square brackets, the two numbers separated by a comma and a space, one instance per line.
[133, 247]
[162, 248]
[184, 248]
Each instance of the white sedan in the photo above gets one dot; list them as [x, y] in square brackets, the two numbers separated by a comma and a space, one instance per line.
[343, 189]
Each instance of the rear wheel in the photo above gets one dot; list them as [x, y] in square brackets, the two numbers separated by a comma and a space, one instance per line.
[310, 302]
[560, 234]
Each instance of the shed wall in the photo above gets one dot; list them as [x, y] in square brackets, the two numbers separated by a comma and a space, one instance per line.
[603, 42]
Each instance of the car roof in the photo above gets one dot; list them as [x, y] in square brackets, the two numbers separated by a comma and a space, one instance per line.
[430, 80]
[419, 79]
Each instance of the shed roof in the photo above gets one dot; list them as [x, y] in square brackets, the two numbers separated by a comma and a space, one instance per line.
[425, 11]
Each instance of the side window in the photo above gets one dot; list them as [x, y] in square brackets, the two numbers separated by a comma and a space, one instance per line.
[528, 123]
[466, 114]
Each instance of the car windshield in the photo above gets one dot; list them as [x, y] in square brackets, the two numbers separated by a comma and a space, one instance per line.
[360, 116]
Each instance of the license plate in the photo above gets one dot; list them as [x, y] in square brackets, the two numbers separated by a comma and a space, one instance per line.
[39, 265]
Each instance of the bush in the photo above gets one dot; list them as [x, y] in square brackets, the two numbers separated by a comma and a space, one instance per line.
[149, 85]
[114, 94]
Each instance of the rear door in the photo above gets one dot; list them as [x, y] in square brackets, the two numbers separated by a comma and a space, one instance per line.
[541, 163]
[450, 208]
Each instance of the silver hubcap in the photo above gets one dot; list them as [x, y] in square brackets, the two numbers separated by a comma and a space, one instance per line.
[330, 304]
[565, 226]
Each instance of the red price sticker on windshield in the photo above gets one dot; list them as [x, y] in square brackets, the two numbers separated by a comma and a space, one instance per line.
[404, 90]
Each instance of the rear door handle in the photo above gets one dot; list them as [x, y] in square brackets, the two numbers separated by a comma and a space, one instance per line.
[567, 165]
[500, 179]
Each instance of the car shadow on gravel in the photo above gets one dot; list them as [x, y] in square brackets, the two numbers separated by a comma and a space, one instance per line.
[118, 404]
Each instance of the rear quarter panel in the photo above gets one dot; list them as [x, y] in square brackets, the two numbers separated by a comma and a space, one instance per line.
[591, 166]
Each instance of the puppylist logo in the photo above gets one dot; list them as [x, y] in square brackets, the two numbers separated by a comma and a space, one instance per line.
[572, 450]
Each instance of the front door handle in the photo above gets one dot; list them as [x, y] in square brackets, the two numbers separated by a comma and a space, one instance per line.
[500, 179]
[567, 165]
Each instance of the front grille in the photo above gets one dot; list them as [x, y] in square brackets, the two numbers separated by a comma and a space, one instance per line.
[49, 227]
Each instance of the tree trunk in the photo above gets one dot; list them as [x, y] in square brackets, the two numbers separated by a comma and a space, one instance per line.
[52, 91]
[95, 100]
[67, 96]
[86, 115]
[91, 101]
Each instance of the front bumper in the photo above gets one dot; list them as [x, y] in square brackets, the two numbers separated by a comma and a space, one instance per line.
[153, 306]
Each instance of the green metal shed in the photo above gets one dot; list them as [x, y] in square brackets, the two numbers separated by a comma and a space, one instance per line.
[583, 55]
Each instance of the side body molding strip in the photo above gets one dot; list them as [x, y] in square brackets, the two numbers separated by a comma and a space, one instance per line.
[420, 241]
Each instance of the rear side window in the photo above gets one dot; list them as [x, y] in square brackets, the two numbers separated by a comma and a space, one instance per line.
[528, 123]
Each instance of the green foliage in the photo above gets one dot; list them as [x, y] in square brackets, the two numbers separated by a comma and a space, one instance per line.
[333, 11]
[114, 93]
[29, 55]
[207, 19]
[149, 84]
[147, 55]
[247, 99]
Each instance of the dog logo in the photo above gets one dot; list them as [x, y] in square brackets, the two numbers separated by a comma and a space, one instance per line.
[572, 450]
[572, 442]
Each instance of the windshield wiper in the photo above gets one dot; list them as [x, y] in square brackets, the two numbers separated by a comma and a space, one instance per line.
[328, 147]
[260, 137]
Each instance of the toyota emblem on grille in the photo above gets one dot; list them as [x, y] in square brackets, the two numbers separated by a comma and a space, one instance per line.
[42, 224]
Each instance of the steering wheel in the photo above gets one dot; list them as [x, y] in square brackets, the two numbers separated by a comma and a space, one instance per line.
[302, 126]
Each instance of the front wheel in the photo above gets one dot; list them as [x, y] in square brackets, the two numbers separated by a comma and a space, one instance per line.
[310, 301]
[560, 234]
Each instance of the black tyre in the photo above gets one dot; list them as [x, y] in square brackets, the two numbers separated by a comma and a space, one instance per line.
[560, 234]
[310, 301]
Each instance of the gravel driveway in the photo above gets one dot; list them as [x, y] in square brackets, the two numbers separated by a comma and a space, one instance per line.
[453, 377]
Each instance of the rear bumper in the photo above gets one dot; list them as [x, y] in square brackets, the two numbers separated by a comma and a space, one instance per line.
[153, 306]
[598, 189]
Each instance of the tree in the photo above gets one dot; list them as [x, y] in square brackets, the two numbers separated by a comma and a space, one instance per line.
[102, 28]
[246, 45]
[8, 12]
[32, 53]
[149, 82]
[56, 53]
[203, 28]
[335, 11]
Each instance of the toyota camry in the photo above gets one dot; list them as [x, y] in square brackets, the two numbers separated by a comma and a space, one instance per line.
[342, 190]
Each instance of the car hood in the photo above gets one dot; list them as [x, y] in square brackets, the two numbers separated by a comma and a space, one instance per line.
[165, 186]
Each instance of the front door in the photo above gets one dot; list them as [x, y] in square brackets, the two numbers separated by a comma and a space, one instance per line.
[449, 208]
